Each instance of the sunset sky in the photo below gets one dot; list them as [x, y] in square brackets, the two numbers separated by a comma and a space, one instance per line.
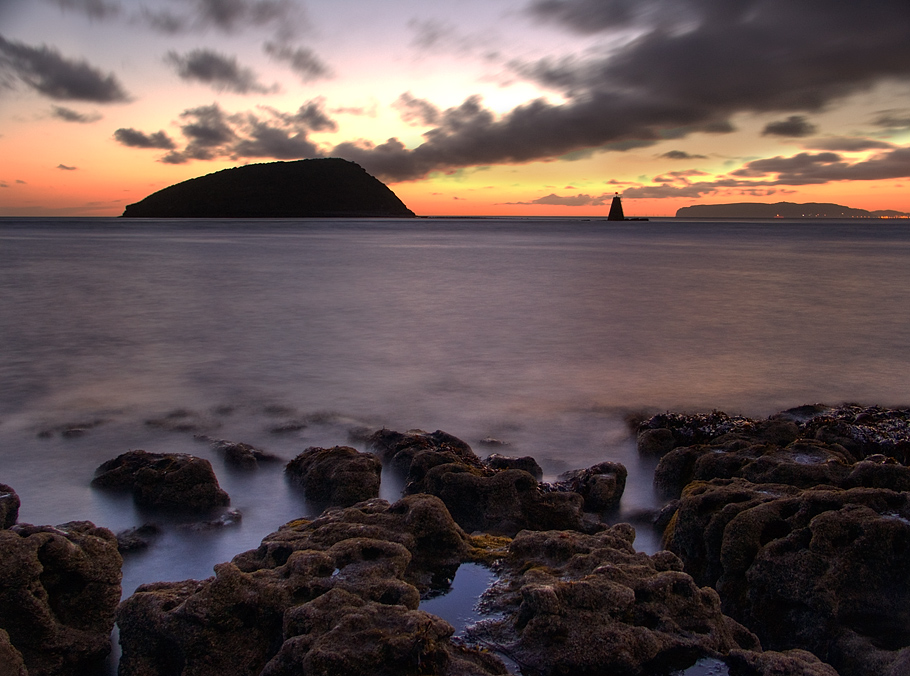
[482, 107]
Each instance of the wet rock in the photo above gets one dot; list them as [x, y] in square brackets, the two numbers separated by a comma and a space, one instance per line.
[138, 538]
[59, 589]
[501, 503]
[656, 441]
[526, 463]
[163, 480]
[231, 517]
[182, 420]
[688, 429]
[335, 595]
[398, 449]
[240, 455]
[11, 662]
[9, 506]
[339, 476]
[601, 486]
[771, 663]
[820, 569]
[576, 603]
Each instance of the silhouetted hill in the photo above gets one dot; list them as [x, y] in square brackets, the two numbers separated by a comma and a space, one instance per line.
[780, 210]
[319, 188]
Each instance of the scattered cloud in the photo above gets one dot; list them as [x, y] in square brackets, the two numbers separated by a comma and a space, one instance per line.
[303, 61]
[681, 155]
[418, 112]
[228, 16]
[211, 133]
[137, 139]
[66, 168]
[70, 115]
[794, 126]
[217, 70]
[4, 184]
[94, 9]
[847, 144]
[893, 119]
[46, 71]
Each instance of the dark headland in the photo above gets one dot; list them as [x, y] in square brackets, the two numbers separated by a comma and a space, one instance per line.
[782, 210]
[318, 188]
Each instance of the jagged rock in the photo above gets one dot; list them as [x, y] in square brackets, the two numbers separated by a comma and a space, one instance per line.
[11, 662]
[339, 476]
[9, 506]
[399, 449]
[601, 486]
[590, 604]
[59, 589]
[820, 569]
[136, 539]
[335, 595]
[526, 463]
[242, 456]
[501, 503]
[771, 663]
[163, 480]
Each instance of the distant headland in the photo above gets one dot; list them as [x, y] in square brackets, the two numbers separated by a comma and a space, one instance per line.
[782, 210]
[318, 188]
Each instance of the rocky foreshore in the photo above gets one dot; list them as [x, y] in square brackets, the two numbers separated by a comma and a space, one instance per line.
[786, 553]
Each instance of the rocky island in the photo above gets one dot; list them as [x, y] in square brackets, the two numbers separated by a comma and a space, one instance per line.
[782, 210]
[318, 188]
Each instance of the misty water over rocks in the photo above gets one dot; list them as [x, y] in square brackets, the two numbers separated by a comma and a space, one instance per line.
[545, 335]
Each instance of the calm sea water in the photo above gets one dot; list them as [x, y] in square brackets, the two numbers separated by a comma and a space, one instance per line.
[544, 334]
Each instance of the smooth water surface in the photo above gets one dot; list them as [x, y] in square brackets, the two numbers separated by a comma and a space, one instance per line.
[544, 334]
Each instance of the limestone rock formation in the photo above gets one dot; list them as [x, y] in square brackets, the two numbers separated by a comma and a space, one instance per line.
[570, 603]
[317, 188]
[336, 595]
[163, 480]
[59, 589]
[339, 476]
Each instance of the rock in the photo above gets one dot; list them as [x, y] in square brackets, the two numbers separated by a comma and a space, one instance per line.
[688, 429]
[339, 476]
[59, 589]
[601, 486]
[398, 449]
[314, 188]
[9, 506]
[11, 662]
[501, 503]
[137, 539]
[526, 463]
[770, 663]
[335, 595]
[163, 480]
[242, 456]
[656, 441]
[590, 604]
[820, 569]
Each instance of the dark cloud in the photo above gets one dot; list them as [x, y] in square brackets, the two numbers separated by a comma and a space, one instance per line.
[4, 184]
[94, 9]
[69, 115]
[217, 70]
[416, 111]
[137, 139]
[226, 15]
[794, 126]
[847, 144]
[63, 167]
[303, 61]
[893, 119]
[46, 71]
[693, 65]
[681, 155]
[211, 133]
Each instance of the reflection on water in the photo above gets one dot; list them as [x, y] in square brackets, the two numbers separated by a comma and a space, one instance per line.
[458, 605]
[545, 334]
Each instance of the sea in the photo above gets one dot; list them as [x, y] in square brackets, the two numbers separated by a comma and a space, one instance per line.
[521, 336]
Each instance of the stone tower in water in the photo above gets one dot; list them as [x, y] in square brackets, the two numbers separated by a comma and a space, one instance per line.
[616, 210]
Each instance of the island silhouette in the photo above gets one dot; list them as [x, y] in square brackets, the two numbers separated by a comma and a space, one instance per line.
[782, 210]
[316, 188]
